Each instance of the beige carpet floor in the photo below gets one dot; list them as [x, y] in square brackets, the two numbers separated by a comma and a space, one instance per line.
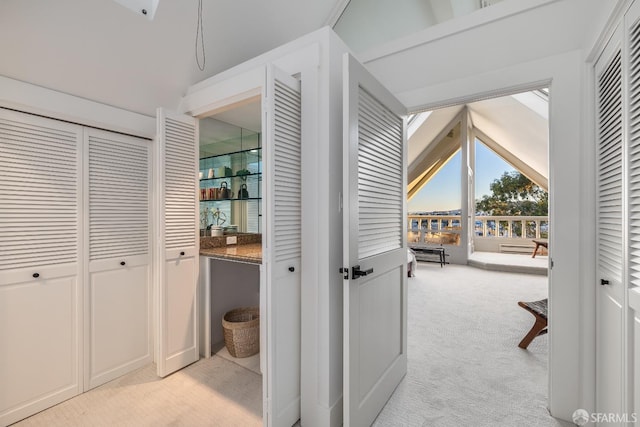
[464, 365]
[464, 368]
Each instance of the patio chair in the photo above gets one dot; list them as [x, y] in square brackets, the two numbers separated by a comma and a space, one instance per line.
[539, 311]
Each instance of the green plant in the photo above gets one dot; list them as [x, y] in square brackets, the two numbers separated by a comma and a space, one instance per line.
[242, 172]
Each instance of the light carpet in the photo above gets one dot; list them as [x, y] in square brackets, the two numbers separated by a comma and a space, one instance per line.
[211, 392]
[464, 368]
[464, 365]
[252, 363]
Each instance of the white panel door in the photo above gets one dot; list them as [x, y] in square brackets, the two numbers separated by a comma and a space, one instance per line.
[118, 236]
[375, 250]
[609, 229]
[280, 304]
[178, 237]
[40, 247]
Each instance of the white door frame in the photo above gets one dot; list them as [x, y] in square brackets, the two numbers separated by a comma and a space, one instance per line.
[506, 91]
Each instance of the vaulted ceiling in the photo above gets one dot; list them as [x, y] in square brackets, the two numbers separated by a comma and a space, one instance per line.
[103, 51]
[516, 127]
[100, 50]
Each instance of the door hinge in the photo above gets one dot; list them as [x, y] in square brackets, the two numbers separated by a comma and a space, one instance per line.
[340, 201]
[551, 264]
[345, 272]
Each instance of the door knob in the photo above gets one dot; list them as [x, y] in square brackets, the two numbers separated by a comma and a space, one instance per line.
[36, 275]
[122, 263]
[292, 269]
[604, 282]
[182, 253]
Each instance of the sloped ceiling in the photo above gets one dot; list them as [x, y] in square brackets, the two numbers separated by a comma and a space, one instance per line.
[510, 123]
[369, 23]
[100, 50]
[515, 127]
[430, 130]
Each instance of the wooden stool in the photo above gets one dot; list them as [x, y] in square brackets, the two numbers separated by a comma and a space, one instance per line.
[543, 243]
[539, 311]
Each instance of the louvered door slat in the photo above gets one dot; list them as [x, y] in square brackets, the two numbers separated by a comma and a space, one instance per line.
[287, 173]
[180, 195]
[39, 167]
[634, 155]
[609, 157]
[379, 188]
[118, 196]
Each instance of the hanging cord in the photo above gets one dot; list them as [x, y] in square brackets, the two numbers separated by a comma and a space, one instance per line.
[200, 36]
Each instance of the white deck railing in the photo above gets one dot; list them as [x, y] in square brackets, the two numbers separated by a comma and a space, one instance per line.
[446, 229]
[524, 227]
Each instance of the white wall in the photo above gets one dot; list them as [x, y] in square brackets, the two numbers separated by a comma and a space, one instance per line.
[33, 99]
[542, 45]
[494, 38]
[366, 23]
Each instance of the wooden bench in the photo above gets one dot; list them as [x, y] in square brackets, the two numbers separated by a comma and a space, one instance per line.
[440, 255]
[539, 311]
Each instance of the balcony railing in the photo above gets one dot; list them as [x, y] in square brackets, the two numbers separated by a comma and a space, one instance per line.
[446, 229]
[434, 229]
[524, 227]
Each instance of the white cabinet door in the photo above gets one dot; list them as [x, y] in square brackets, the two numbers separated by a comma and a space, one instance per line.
[280, 289]
[178, 238]
[610, 226]
[118, 237]
[40, 316]
[374, 246]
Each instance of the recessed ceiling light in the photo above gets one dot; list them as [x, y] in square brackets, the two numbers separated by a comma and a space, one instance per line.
[146, 8]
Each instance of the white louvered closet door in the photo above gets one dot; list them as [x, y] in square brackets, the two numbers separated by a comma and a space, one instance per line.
[118, 234]
[178, 234]
[374, 248]
[40, 250]
[609, 228]
[632, 52]
[280, 304]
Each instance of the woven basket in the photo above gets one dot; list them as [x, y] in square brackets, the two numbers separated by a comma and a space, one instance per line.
[242, 331]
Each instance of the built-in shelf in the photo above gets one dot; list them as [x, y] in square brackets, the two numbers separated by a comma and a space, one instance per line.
[244, 211]
[258, 174]
[231, 200]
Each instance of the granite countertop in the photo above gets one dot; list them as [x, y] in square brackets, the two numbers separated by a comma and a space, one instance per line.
[251, 252]
[248, 249]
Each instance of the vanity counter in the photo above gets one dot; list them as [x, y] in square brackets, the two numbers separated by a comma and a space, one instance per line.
[249, 252]
[248, 248]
